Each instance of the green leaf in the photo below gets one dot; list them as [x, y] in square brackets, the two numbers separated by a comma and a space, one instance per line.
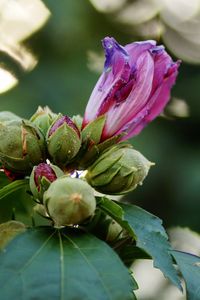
[12, 187]
[148, 231]
[189, 266]
[47, 263]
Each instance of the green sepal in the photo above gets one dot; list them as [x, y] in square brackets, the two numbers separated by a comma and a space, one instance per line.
[90, 152]
[99, 168]
[103, 163]
[35, 142]
[78, 120]
[43, 182]
[93, 130]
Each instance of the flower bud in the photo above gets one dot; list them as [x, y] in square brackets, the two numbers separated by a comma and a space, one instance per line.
[118, 170]
[6, 116]
[69, 201]
[63, 141]
[133, 89]
[43, 118]
[41, 178]
[22, 146]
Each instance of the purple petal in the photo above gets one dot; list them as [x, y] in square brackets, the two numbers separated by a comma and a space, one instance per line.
[137, 48]
[155, 105]
[133, 89]
[116, 73]
[160, 100]
[44, 170]
[161, 63]
[112, 51]
[126, 111]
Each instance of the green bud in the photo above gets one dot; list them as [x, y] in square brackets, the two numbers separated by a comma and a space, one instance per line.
[22, 146]
[6, 116]
[41, 178]
[63, 141]
[69, 201]
[118, 170]
[43, 118]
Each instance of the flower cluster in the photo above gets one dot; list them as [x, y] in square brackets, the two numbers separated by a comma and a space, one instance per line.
[132, 90]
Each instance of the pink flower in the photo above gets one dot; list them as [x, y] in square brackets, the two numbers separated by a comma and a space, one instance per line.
[133, 89]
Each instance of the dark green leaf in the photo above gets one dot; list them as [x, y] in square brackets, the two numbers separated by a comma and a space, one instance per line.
[12, 187]
[129, 253]
[46, 263]
[189, 266]
[149, 234]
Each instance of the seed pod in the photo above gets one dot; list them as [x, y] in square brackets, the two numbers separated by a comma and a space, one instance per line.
[118, 170]
[69, 201]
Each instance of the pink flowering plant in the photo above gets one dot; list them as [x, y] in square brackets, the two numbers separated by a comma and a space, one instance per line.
[85, 241]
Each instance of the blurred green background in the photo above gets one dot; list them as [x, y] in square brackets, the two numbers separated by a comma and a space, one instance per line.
[62, 80]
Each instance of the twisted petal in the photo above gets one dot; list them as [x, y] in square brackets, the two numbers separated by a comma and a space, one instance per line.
[155, 105]
[116, 72]
[124, 112]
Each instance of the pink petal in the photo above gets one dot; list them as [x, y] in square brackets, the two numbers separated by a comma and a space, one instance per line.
[116, 73]
[120, 114]
[155, 104]
[137, 48]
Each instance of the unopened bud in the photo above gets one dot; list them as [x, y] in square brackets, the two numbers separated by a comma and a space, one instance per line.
[7, 116]
[43, 118]
[118, 170]
[41, 178]
[63, 141]
[69, 201]
[22, 146]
